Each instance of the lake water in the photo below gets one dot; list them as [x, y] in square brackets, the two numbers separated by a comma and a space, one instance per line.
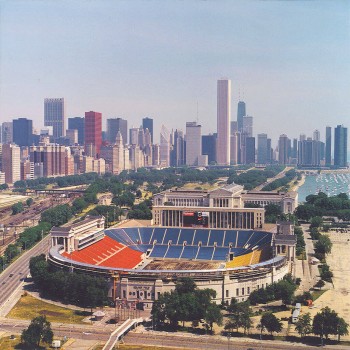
[329, 183]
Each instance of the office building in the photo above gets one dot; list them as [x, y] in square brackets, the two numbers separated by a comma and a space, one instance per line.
[193, 143]
[164, 151]
[250, 150]
[328, 155]
[11, 162]
[93, 133]
[235, 148]
[78, 123]
[54, 115]
[241, 112]
[147, 123]
[177, 154]
[247, 126]
[72, 136]
[340, 146]
[23, 132]
[234, 126]
[134, 136]
[209, 147]
[223, 121]
[113, 126]
[7, 132]
[262, 154]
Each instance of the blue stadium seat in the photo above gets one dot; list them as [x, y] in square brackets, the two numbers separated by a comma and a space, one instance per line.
[171, 234]
[159, 251]
[186, 235]
[230, 236]
[201, 235]
[174, 252]
[216, 236]
[145, 234]
[133, 234]
[221, 253]
[205, 253]
[243, 237]
[189, 252]
[158, 234]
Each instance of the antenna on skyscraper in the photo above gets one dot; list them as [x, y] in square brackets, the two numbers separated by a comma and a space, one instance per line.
[239, 94]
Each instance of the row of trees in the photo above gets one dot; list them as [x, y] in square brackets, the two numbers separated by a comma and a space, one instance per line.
[283, 181]
[73, 288]
[186, 303]
[300, 245]
[321, 205]
[282, 290]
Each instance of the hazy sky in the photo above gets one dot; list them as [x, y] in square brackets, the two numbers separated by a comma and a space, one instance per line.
[130, 59]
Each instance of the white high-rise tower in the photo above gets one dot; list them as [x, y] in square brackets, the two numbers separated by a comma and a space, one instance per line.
[223, 121]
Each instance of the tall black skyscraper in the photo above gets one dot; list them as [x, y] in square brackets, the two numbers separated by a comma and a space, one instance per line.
[209, 147]
[262, 149]
[340, 146]
[113, 126]
[147, 123]
[241, 112]
[23, 132]
[250, 150]
[328, 146]
[78, 123]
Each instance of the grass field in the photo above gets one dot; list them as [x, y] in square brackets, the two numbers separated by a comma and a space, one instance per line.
[11, 344]
[29, 307]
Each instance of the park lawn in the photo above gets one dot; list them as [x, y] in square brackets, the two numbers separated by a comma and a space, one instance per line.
[29, 307]
[15, 344]
[317, 293]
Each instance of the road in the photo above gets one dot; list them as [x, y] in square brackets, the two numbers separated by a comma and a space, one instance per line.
[278, 176]
[12, 277]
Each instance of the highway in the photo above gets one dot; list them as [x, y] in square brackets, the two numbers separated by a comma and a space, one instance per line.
[12, 277]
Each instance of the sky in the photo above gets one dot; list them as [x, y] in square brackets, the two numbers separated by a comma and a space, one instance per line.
[288, 60]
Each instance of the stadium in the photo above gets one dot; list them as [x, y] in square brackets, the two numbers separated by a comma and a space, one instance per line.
[143, 262]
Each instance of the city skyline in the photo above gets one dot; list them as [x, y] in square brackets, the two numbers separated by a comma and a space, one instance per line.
[163, 60]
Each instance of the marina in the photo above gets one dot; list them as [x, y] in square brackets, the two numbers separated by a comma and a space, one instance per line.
[330, 183]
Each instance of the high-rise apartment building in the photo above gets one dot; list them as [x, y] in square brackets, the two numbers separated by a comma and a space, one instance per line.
[340, 146]
[7, 132]
[23, 132]
[78, 123]
[193, 143]
[328, 155]
[283, 149]
[11, 162]
[93, 133]
[223, 121]
[113, 126]
[54, 115]
[147, 123]
[241, 112]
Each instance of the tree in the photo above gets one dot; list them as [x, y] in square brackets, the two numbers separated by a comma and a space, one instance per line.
[303, 325]
[17, 208]
[316, 221]
[324, 245]
[213, 315]
[325, 323]
[342, 327]
[29, 201]
[270, 322]
[38, 330]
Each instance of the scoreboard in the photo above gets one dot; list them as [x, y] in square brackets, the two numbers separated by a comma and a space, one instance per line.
[195, 219]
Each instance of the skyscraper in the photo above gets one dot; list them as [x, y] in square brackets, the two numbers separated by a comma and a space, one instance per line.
[193, 143]
[340, 146]
[328, 146]
[241, 112]
[147, 123]
[113, 126]
[223, 121]
[23, 131]
[78, 123]
[93, 133]
[209, 147]
[7, 132]
[283, 149]
[247, 126]
[54, 115]
[164, 149]
[250, 150]
[262, 149]
[11, 162]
